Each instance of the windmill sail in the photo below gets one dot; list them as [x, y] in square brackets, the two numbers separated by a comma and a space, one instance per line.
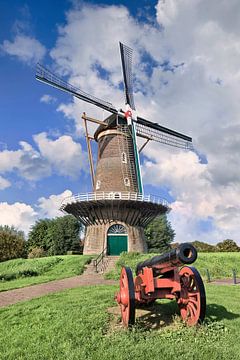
[153, 131]
[46, 76]
[126, 58]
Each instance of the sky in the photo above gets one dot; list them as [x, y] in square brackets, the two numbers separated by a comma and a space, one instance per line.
[186, 66]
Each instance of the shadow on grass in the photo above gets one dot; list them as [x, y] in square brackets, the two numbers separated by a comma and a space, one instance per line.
[160, 315]
[217, 312]
[157, 315]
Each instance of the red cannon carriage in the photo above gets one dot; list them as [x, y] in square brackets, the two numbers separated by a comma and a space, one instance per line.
[161, 278]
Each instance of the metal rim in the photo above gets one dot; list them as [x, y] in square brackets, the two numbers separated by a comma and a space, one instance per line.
[127, 297]
[192, 300]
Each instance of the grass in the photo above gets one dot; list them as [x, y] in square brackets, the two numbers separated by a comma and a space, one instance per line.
[220, 265]
[23, 272]
[76, 324]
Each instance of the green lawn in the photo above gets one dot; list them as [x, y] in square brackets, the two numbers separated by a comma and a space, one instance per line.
[23, 272]
[220, 265]
[76, 324]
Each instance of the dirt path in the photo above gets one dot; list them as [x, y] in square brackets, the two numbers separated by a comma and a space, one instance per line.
[14, 296]
[225, 282]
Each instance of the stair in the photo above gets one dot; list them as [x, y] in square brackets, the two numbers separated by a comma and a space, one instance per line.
[107, 265]
[111, 261]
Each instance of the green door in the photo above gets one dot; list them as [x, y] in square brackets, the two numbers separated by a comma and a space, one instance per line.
[116, 244]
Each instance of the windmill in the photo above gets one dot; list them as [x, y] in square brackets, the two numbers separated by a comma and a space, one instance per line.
[117, 210]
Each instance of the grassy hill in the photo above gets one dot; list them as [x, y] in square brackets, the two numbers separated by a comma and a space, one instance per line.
[219, 265]
[83, 324]
[23, 272]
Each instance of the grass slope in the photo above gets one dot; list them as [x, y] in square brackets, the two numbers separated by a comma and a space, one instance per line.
[75, 324]
[220, 265]
[23, 272]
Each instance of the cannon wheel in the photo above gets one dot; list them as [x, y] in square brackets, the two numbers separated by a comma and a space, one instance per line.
[127, 297]
[192, 300]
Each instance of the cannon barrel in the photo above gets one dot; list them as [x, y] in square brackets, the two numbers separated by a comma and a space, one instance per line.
[184, 254]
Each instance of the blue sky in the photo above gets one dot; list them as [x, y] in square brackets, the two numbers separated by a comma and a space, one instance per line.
[186, 72]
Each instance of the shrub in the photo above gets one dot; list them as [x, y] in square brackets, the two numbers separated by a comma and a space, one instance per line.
[36, 252]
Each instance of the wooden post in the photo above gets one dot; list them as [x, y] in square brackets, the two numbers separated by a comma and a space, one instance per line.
[89, 148]
[143, 146]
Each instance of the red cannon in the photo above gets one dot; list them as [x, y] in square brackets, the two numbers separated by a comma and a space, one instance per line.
[161, 278]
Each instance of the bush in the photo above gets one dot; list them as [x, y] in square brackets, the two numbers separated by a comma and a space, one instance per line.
[12, 243]
[36, 252]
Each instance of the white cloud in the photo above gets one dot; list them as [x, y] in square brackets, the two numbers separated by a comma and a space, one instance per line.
[19, 215]
[4, 183]
[23, 216]
[26, 161]
[48, 99]
[62, 156]
[25, 48]
[65, 155]
[49, 207]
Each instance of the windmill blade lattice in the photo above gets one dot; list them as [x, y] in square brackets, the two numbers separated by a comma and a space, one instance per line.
[46, 76]
[126, 58]
[153, 131]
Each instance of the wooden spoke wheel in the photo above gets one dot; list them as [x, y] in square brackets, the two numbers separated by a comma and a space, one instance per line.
[126, 297]
[192, 300]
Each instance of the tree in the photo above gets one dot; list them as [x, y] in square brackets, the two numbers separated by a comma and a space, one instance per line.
[56, 236]
[203, 247]
[227, 245]
[37, 234]
[159, 234]
[12, 243]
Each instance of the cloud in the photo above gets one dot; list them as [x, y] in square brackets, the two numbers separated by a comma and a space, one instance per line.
[4, 183]
[49, 207]
[26, 161]
[65, 155]
[19, 215]
[25, 48]
[48, 99]
[62, 156]
[23, 216]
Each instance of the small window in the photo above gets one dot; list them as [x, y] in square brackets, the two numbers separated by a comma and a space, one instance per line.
[98, 184]
[124, 157]
[126, 182]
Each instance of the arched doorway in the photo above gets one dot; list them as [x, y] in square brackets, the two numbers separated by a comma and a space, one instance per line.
[117, 239]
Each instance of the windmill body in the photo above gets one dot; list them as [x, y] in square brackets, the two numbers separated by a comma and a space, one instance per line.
[116, 212]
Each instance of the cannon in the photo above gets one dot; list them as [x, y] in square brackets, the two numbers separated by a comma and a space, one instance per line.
[164, 277]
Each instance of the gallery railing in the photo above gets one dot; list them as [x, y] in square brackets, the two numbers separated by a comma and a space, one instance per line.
[114, 195]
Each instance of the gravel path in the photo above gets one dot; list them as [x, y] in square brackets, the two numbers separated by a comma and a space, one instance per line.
[224, 282]
[14, 296]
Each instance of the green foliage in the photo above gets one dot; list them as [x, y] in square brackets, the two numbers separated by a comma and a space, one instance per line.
[12, 243]
[76, 324]
[159, 235]
[56, 236]
[203, 247]
[38, 233]
[36, 252]
[227, 245]
[22, 272]
[220, 265]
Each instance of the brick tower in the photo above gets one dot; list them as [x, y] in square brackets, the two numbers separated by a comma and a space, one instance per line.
[116, 211]
[115, 214]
